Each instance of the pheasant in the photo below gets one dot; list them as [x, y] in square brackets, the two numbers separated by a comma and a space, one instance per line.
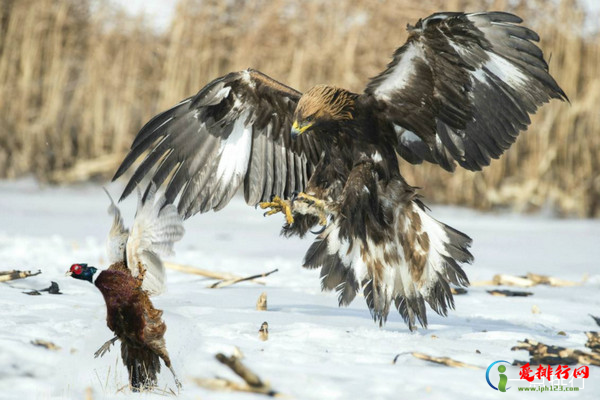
[136, 273]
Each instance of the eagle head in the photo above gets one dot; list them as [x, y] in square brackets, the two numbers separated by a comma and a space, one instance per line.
[322, 109]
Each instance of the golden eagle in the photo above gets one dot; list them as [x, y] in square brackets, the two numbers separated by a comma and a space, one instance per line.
[459, 90]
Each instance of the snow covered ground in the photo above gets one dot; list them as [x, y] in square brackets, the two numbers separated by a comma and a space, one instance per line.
[315, 349]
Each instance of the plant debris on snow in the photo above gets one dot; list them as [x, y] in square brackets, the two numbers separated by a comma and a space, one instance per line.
[444, 361]
[509, 293]
[541, 353]
[252, 382]
[52, 289]
[528, 280]
[11, 275]
[45, 344]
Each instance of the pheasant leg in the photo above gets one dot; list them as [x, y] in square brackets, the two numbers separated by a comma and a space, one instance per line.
[105, 347]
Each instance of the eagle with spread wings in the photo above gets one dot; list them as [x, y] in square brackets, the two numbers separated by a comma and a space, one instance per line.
[459, 90]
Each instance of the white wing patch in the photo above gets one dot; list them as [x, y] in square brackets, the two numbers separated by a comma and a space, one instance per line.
[505, 70]
[400, 75]
[235, 153]
[497, 65]
[223, 92]
[156, 228]
[117, 236]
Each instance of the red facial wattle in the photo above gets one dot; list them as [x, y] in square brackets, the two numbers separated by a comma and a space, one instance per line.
[76, 269]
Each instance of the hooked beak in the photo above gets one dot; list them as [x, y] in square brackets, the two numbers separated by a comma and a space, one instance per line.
[299, 130]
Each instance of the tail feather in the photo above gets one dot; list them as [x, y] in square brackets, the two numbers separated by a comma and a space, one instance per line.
[453, 272]
[457, 245]
[415, 262]
[336, 273]
[142, 364]
[441, 297]
[411, 307]
[448, 249]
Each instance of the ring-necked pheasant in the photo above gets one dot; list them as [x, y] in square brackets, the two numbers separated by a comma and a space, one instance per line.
[136, 272]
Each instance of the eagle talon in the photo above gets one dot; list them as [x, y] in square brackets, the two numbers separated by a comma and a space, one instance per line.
[323, 227]
[276, 205]
[271, 212]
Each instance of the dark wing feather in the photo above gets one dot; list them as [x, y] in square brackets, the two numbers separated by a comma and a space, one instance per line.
[461, 88]
[235, 131]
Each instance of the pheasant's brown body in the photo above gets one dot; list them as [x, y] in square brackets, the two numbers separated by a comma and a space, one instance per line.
[138, 325]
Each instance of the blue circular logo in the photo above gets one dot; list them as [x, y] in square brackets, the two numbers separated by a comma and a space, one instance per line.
[487, 375]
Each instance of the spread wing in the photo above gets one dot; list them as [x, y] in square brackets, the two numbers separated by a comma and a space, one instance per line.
[117, 236]
[235, 130]
[156, 227]
[461, 88]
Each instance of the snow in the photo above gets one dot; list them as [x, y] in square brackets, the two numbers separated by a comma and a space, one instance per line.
[315, 349]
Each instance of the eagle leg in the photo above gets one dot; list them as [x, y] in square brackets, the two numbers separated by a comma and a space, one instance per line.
[316, 203]
[310, 200]
[105, 347]
[277, 204]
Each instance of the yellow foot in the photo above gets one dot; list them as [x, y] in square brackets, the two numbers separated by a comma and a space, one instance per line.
[276, 205]
[316, 203]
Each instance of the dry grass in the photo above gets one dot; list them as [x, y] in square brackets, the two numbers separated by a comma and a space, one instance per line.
[76, 86]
